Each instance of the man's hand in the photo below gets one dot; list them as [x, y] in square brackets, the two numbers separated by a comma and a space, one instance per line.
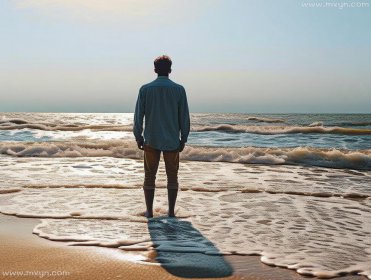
[140, 144]
[181, 146]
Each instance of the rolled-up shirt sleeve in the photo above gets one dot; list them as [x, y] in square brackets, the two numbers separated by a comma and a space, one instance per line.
[138, 117]
[184, 120]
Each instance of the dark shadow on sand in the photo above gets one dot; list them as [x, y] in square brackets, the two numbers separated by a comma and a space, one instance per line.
[183, 251]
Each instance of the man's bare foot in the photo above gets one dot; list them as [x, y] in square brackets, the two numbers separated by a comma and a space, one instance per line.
[171, 214]
[148, 214]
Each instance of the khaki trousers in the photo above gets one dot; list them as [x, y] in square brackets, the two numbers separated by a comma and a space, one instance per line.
[151, 162]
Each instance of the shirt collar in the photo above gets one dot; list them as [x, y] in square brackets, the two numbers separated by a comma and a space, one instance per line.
[162, 77]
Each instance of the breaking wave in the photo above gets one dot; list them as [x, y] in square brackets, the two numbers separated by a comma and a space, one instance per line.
[316, 124]
[334, 158]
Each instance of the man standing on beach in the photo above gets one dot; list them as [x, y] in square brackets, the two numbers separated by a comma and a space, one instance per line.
[163, 105]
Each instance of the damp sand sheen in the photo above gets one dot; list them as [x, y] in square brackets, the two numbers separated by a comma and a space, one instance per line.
[312, 219]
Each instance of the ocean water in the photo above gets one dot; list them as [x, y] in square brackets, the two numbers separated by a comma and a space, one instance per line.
[337, 141]
[293, 188]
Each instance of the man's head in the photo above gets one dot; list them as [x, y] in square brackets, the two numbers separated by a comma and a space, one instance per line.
[163, 65]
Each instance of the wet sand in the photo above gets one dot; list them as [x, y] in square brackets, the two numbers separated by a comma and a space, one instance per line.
[22, 251]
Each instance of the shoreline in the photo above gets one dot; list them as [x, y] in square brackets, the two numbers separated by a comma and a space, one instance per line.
[22, 251]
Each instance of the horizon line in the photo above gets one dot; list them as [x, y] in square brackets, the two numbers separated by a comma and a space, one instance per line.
[273, 113]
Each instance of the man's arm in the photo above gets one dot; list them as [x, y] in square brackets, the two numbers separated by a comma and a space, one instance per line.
[138, 120]
[184, 120]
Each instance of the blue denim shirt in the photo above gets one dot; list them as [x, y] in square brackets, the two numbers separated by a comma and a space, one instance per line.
[163, 106]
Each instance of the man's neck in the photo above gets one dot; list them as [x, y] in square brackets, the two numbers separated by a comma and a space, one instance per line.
[162, 76]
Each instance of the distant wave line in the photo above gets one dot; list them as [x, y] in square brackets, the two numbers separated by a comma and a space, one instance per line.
[270, 130]
[264, 130]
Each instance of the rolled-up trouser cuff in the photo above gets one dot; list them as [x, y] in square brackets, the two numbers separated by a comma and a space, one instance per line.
[148, 187]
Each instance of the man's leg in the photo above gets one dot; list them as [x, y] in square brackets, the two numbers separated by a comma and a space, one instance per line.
[151, 161]
[172, 166]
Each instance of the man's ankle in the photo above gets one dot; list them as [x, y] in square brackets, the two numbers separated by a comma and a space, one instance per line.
[148, 214]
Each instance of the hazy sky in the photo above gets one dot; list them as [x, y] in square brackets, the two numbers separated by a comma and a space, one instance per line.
[231, 55]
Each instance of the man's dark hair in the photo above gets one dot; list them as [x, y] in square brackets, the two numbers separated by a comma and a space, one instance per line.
[163, 64]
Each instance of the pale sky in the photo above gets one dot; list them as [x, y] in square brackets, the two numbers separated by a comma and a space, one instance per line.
[231, 55]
